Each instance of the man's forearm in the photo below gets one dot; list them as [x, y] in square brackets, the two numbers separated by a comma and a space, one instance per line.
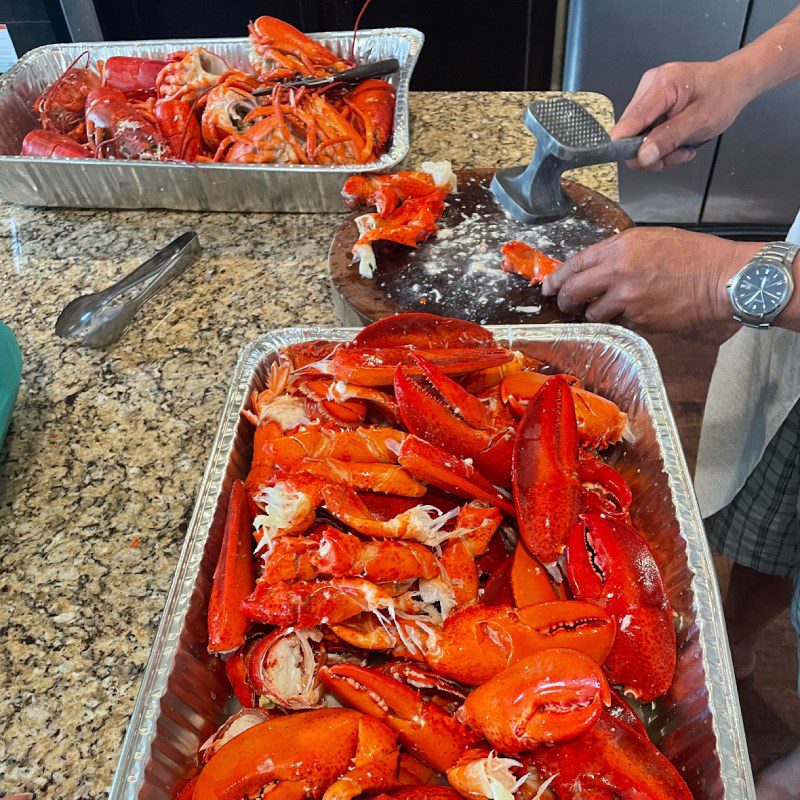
[770, 60]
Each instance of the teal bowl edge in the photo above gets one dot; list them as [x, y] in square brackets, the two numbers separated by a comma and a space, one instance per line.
[10, 375]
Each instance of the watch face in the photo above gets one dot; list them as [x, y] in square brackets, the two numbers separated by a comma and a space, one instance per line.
[761, 288]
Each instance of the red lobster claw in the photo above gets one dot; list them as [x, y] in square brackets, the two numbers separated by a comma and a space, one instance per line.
[605, 491]
[234, 578]
[445, 471]
[547, 491]
[548, 697]
[334, 751]
[479, 642]
[439, 410]
[610, 760]
[610, 564]
[424, 331]
[429, 733]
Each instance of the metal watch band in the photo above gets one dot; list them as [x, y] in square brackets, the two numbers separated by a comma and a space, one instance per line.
[780, 255]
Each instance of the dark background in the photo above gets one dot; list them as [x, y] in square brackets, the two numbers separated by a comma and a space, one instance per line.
[502, 44]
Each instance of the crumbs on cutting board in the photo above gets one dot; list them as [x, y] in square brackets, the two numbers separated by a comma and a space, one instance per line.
[457, 271]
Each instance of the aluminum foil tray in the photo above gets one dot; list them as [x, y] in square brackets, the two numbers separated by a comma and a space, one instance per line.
[184, 694]
[90, 183]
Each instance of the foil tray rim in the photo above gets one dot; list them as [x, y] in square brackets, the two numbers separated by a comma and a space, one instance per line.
[396, 153]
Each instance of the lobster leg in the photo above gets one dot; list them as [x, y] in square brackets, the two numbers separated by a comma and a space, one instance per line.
[233, 578]
[308, 604]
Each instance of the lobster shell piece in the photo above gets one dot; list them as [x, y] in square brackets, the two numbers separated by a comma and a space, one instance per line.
[429, 733]
[609, 563]
[437, 409]
[233, 578]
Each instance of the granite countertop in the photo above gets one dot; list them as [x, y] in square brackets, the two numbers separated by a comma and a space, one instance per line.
[106, 449]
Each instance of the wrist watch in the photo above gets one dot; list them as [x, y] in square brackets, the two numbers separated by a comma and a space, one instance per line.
[764, 285]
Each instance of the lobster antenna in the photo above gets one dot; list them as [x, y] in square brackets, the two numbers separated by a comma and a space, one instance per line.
[355, 30]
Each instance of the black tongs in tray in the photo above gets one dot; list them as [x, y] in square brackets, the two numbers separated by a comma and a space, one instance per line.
[352, 75]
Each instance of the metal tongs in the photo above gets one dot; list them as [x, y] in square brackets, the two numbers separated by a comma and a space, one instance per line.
[97, 323]
[352, 75]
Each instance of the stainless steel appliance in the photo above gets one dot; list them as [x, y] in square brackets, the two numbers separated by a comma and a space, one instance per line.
[750, 176]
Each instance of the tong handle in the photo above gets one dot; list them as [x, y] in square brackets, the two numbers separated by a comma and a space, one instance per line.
[173, 260]
[160, 261]
[369, 70]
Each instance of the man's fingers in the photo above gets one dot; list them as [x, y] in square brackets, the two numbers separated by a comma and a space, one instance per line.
[649, 102]
[586, 259]
[666, 138]
[605, 308]
[583, 288]
[679, 156]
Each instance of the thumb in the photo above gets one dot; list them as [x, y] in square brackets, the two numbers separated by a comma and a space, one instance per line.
[668, 137]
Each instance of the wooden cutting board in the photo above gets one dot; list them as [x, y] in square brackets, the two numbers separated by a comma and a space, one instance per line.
[457, 272]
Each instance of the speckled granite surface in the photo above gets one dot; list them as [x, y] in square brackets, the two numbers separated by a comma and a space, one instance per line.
[106, 449]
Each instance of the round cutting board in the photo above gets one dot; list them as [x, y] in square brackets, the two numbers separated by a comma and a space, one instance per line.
[456, 273]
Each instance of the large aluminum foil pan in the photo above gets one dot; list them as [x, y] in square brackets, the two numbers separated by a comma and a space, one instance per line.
[184, 695]
[90, 183]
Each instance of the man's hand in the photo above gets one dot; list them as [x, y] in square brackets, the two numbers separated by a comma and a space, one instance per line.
[657, 278]
[699, 99]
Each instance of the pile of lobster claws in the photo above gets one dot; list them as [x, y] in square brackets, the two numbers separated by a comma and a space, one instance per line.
[382, 533]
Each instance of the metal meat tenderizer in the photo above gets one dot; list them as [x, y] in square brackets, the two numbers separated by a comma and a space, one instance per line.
[567, 136]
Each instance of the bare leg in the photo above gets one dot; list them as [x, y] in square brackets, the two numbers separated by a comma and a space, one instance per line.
[753, 601]
[781, 779]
